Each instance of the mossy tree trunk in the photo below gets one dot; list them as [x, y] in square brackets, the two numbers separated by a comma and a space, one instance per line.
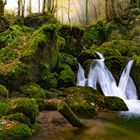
[65, 110]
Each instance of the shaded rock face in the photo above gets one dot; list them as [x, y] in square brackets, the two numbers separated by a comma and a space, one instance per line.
[115, 104]
[73, 36]
[31, 56]
[36, 20]
[4, 24]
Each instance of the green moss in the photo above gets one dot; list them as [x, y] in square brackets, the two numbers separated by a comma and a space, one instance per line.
[4, 109]
[72, 36]
[68, 59]
[36, 20]
[41, 103]
[20, 117]
[94, 34]
[66, 77]
[32, 90]
[135, 33]
[84, 101]
[65, 110]
[26, 106]
[118, 48]
[28, 54]
[4, 24]
[49, 80]
[115, 104]
[12, 130]
[3, 91]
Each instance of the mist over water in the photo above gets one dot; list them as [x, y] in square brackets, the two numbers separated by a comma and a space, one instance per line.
[99, 74]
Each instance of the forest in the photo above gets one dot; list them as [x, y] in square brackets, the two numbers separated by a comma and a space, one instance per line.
[69, 69]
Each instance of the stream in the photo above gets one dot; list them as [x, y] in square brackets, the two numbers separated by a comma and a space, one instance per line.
[105, 126]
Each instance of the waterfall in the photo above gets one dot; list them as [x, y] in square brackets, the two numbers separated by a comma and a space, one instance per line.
[99, 74]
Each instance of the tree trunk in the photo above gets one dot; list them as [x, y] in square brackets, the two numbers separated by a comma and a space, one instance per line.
[44, 6]
[2, 4]
[23, 8]
[49, 5]
[65, 110]
[87, 11]
[69, 11]
[113, 10]
[38, 6]
[30, 7]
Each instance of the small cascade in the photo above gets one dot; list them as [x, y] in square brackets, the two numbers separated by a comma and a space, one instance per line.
[99, 74]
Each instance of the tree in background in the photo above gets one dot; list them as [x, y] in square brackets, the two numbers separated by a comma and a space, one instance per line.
[29, 7]
[2, 5]
[43, 6]
[112, 10]
[87, 11]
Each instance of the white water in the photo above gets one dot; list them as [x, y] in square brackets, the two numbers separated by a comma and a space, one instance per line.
[99, 73]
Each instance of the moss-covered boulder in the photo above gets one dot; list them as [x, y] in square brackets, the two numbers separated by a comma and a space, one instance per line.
[32, 90]
[94, 34]
[49, 80]
[28, 55]
[66, 77]
[72, 36]
[13, 130]
[20, 117]
[3, 91]
[68, 59]
[135, 33]
[84, 101]
[35, 20]
[4, 109]
[51, 104]
[4, 24]
[26, 106]
[118, 48]
[116, 65]
[115, 103]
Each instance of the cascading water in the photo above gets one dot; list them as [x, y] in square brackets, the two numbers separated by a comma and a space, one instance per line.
[99, 73]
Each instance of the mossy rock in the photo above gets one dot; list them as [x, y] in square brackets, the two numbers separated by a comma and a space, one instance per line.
[4, 109]
[12, 130]
[115, 103]
[26, 106]
[20, 117]
[36, 20]
[32, 90]
[84, 101]
[135, 33]
[51, 104]
[66, 77]
[118, 48]
[40, 103]
[3, 92]
[72, 36]
[49, 80]
[4, 24]
[94, 34]
[116, 65]
[68, 59]
[28, 54]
